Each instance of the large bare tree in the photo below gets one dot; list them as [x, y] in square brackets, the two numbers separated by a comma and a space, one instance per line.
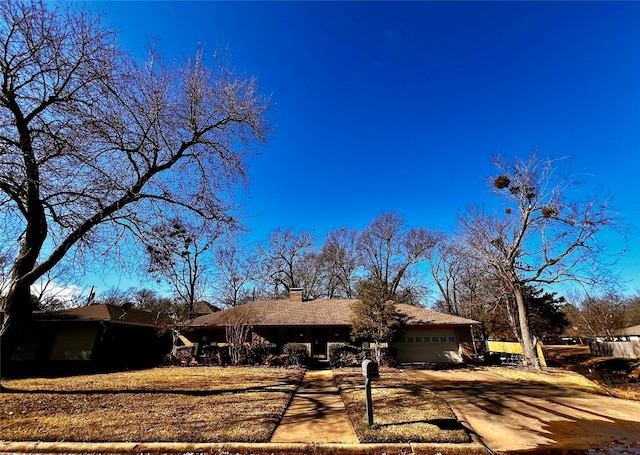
[95, 147]
[339, 262]
[236, 268]
[542, 237]
[388, 250]
[179, 253]
[282, 256]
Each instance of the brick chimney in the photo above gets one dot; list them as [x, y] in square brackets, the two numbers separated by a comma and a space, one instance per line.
[295, 295]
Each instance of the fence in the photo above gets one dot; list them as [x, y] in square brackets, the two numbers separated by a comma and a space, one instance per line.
[628, 349]
[513, 349]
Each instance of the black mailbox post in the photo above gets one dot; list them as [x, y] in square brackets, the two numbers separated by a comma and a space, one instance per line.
[369, 371]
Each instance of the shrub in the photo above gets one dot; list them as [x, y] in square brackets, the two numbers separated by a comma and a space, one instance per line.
[345, 355]
[258, 353]
[215, 355]
[296, 354]
[275, 361]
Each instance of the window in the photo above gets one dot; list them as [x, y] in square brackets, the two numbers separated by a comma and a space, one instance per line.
[418, 340]
[434, 339]
[426, 339]
[452, 339]
[410, 340]
[443, 338]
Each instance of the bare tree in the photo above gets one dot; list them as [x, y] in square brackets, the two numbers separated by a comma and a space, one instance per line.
[599, 316]
[94, 147]
[237, 267]
[308, 271]
[178, 253]
[238, 326]
[282, 255]
[339, 262]
[448, 268]
[541, 239]
[388, 249]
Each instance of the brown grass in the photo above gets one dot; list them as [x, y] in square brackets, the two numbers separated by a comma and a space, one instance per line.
[403, 412]
[205, 404]
[625, 391]
[553, 377]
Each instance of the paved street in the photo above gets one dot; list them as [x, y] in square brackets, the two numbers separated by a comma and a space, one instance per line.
[513, 417]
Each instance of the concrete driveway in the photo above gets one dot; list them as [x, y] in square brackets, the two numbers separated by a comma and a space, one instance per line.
[513, 417]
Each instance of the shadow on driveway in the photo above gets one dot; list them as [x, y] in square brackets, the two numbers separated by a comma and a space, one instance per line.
[515, 417]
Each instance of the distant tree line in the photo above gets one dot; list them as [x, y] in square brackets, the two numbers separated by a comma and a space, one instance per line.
[222, 269]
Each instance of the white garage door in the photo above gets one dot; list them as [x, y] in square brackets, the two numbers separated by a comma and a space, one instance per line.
[423, 345]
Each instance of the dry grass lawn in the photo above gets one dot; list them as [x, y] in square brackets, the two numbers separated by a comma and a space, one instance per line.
[204, 404]
[557, 378]
[403, 412]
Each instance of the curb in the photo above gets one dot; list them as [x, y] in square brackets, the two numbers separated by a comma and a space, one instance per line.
[240, 448]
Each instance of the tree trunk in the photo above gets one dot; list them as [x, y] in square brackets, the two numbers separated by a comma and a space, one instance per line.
[16, 311]
[526, 341]
[377, 351]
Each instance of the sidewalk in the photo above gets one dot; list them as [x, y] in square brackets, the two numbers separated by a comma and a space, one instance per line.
[316, 413]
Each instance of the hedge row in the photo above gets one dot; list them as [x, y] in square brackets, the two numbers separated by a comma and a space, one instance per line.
[293, 354]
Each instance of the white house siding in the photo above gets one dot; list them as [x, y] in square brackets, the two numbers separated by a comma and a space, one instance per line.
[428, 345]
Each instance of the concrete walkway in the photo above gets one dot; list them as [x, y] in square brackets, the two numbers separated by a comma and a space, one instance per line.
[316, 413]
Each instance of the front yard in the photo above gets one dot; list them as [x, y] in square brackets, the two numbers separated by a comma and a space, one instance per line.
[205, 404]
[403, 411]
[223, 404]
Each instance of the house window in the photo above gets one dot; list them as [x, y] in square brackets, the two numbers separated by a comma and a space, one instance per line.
[418, 340]
[434, 339]
[452, 339]
[443, 338]
[410, 340]
[426, 339]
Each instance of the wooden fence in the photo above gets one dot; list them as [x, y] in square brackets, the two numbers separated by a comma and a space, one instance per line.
[513, 347]
[628, 349]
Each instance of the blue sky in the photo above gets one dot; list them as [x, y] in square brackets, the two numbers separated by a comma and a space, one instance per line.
[400, 106]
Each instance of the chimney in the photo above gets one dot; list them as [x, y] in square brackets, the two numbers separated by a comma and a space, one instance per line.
[295, 295]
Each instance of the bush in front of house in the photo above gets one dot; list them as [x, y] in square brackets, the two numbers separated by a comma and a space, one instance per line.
[214, 355]
[258, 353]
[345, 356]
[349, 356]
[296, 354]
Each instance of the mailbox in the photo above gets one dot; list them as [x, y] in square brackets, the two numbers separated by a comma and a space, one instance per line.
[370, 369]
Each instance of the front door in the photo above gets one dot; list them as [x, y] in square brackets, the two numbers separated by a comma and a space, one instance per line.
[319, 343]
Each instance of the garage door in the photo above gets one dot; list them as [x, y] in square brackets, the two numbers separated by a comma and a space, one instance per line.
[440, 346]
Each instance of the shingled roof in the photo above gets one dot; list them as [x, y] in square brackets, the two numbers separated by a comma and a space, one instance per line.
[319, 312]
[105, 313]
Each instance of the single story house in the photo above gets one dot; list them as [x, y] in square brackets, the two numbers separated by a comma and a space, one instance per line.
[429, 336]
[631, 333]
[90, 338]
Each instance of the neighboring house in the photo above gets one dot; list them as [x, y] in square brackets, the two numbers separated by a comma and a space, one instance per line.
[631, 333]
[90, 338]
[430, 336]
[201, 307]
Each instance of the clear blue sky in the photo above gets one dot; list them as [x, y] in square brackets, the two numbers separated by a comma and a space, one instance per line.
[400, 106]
